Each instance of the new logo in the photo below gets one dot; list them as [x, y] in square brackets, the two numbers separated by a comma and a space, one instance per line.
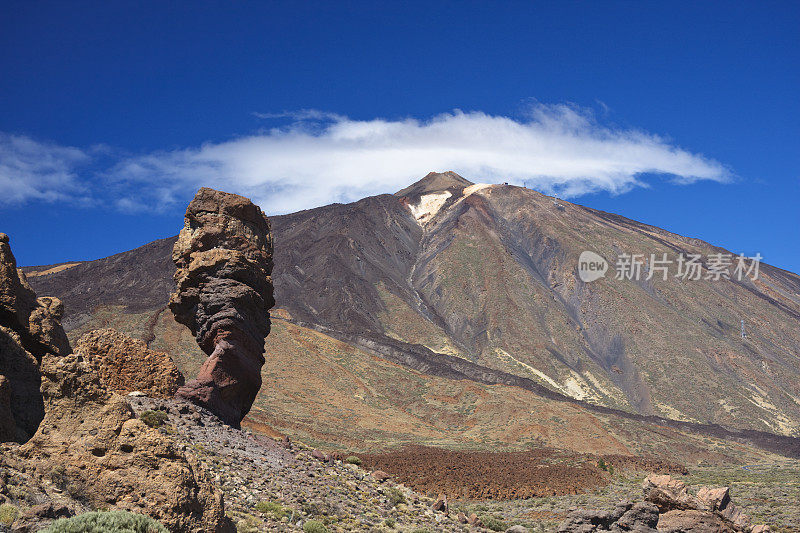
[591, 266]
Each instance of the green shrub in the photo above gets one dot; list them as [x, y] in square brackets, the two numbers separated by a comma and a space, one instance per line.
[248, 524]
[273, 509]
[492, 523]
[106, 522]
[395, 496]
[390, 523]
[58, 475]
[353, 460]
[153, 419]
[8, 513]
[314, 526]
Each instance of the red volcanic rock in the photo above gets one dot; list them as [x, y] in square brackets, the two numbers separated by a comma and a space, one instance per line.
[380, 475]
[320, 456]
[125, 364]
[224, 292]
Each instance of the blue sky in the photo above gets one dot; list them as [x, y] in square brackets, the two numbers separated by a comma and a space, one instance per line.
[683, 115]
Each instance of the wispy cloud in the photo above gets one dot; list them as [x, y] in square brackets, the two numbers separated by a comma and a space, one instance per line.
[31, 170]
[323, 157]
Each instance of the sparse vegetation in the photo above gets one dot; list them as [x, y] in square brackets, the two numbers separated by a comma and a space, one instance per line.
[395, 496]
[248, 524]
[314, 526]
[153, 419]
[273, 509]
[390, 523]
[493, 523]
[58, 475]
[8, 513]
[106, 522]
[353, 460]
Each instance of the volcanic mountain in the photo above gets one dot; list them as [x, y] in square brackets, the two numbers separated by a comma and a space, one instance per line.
[454, 313]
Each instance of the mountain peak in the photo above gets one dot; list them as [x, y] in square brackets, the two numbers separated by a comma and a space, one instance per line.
[435, 182]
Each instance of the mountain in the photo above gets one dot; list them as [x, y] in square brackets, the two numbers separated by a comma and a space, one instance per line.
[454, 313]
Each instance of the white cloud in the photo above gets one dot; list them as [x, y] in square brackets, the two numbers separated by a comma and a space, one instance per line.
[557, 149]
[30, 170]
[323, 157]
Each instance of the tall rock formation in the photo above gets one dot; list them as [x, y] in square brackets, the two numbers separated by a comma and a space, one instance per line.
[29, 328]
[224, 292]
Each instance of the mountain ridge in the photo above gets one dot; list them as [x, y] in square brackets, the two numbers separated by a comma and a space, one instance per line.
[488, 278]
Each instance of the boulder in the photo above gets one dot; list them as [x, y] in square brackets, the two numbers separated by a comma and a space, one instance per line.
[380, 475]
[668, 493]
[223, 294]
[127, 365]
[91, 447]
[440, 504]
[692, 521]
[714, 498]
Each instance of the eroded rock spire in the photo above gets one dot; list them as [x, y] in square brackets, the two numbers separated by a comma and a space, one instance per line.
[223, 294]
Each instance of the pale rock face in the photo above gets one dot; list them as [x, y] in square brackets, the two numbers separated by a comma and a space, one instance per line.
[428, 206]
[475, 188]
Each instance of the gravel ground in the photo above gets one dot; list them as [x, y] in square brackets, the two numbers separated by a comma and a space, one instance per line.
[273, 486]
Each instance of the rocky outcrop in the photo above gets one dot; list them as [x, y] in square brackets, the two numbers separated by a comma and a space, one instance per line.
[668, 507]
[29, 328]
[224, 292]
[626, 516]
[125, 364]
[92, 452]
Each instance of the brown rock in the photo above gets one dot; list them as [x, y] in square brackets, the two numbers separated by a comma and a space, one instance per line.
[125, 364]
[761, 528]
[320, 455]
[29, 329]
[224, 292]
[668, 493]
[714, 499]
[380, 475]
[105, 456]
[441, 504]
[692, 521]
[473, 520]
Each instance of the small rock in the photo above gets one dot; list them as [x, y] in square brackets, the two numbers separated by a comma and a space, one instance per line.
[440, 504]
[317, 454]
[380, 475]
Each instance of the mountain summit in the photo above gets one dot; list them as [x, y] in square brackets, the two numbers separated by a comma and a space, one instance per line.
[435, 182]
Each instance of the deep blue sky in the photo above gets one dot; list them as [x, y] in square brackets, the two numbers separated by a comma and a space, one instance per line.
[719, 79]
